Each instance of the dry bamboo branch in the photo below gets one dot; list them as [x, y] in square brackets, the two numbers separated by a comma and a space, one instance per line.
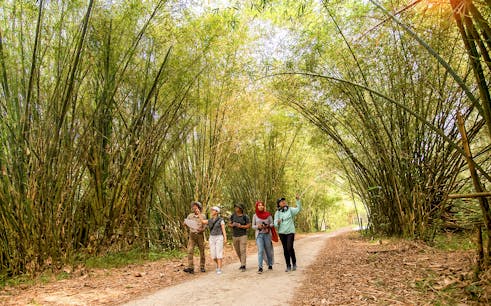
[469, 195]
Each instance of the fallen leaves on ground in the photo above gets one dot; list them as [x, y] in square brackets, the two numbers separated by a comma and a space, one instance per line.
[352, 270]
[112, 286]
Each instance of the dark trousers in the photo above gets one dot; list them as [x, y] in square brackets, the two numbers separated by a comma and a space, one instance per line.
[288, 251]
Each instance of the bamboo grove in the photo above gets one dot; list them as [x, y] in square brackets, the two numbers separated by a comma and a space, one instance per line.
[115, 115]
[390, 102]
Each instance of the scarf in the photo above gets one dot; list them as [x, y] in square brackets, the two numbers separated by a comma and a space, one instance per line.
[262, 214]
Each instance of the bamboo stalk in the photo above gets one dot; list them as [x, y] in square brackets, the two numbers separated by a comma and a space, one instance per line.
[483, 202]
[469, 195]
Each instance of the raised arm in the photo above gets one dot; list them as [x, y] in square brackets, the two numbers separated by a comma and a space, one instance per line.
[203, 220]
[296, 210]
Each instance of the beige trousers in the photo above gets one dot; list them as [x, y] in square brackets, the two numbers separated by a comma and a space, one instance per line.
[240, 246]
[199, 240]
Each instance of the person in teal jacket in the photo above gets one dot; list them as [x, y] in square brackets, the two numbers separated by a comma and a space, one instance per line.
[284, 221]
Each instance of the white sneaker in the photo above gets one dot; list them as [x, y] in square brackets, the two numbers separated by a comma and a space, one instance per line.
[219, 271]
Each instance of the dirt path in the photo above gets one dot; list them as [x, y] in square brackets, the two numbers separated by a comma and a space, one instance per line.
[347, 269]
[244, 288]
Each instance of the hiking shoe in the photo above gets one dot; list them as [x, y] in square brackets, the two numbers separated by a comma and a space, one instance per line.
[294, 268]
[288, 269]
[189, 270]
[260, 270]
[270, 267]
[202, 269]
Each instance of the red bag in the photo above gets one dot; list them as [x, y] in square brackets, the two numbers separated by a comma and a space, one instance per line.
[274, 234]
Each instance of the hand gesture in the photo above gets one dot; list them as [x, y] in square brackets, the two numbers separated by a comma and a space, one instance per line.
[297, 196]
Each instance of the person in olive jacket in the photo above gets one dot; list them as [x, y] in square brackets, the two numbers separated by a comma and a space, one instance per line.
[284, 221]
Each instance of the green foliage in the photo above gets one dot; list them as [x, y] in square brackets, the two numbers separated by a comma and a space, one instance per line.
[107, 261]
[134, 256]
[116, 115]
[381, 113]
[454, 241]
[82, 151]
[7, 280]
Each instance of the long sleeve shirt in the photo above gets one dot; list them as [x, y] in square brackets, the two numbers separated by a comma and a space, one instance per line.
[287, 224]
[256, 221]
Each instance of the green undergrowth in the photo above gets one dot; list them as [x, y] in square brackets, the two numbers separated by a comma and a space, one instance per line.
[135, 256]
[454, 241]
[106, 261]
[28, 280]
[446, 241]
[15, 281]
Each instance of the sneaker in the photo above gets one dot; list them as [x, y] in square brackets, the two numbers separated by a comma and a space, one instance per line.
[202, 270]
[270, 267]
[219, 271]
[189, 270]
[260, 270]
[243, 268]
[294, 268]
[288, 269]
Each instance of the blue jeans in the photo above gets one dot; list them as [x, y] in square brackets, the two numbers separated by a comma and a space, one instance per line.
[264, 245]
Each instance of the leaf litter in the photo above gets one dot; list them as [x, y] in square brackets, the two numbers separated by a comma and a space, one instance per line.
[352, 270]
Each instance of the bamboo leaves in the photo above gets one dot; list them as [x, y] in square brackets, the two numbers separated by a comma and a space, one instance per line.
[78, 168]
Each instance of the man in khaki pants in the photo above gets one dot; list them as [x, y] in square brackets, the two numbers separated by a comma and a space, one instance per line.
[196, 237]
[240, 222]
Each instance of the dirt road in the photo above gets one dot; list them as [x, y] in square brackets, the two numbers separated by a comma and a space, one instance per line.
[234, 287]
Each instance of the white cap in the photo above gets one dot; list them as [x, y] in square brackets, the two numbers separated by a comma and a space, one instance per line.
[216, 208]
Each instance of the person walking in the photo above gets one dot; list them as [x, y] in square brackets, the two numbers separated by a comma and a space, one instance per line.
[240, 223]
[285, 223]
[262, 222]
[196, 237]
[218, 235]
